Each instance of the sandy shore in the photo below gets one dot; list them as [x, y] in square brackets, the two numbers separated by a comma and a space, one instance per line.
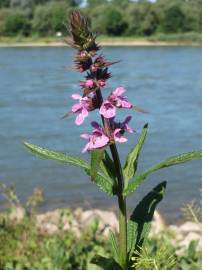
[104, 43]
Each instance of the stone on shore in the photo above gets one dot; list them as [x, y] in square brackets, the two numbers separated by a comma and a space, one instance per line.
[62, 220]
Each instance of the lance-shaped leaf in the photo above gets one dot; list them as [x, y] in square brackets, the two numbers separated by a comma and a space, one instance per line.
[140, 221]
[106, 263]
[103, 182]
[114, 245]
[96, 158]
[56, 155]
[107, 166]
[131, 163]
[175, 160]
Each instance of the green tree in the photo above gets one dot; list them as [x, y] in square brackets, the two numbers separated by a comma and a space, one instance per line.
[25, 5]
[149, 23]
[196, 10]
[174, 20]
[72, 3]
[142, 18]
[50, 18]
[114, 23]
[120, 3]
[4, 13]
[15, 24]
[95, 16]
[4, 3]
[40, 2]
[95, 3]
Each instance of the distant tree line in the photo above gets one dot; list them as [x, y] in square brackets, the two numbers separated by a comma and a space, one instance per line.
[112, 18]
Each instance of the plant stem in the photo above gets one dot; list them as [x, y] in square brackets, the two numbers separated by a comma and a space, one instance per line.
[121, 200]
[122, 209]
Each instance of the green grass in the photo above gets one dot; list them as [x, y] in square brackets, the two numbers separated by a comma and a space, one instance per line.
[179, 38]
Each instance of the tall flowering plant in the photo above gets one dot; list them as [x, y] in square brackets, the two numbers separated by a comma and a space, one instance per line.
[105, 168]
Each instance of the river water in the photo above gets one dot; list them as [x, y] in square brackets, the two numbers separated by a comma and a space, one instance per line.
[35, 87]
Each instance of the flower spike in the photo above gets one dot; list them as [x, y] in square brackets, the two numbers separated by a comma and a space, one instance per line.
[83, 38]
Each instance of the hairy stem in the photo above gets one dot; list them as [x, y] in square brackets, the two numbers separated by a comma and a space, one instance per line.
[121, 200]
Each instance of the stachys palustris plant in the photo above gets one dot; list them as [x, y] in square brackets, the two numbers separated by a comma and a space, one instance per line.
[105, 168]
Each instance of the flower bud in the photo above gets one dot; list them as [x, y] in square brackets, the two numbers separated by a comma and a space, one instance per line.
[101, 83]
[93, 68]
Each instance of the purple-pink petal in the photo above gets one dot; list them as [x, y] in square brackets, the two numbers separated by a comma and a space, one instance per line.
[118, 137]
[108, 110]
[89, 83]
[96, 140]
[99, 142]
[76, 96]
[86, 148]
[118, 91]
[81, 116]
[127, 120]
[85, 136]
[77, 107]
[125, 126]
[125, 103]
[95, 125]
[129, 129]
[97, 132]
[81, 108]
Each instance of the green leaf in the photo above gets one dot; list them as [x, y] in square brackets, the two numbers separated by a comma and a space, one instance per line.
[140, 221]
[114, 245]
[192, 249]
[175, 160]
[55, 155]
[96, 158]
[106, 263]
[107, 166]
[103, 182]
[131, 163]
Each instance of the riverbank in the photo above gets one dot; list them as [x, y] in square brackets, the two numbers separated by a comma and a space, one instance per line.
[78, 220]
[160, 40]
[69, 239]
[105, 44]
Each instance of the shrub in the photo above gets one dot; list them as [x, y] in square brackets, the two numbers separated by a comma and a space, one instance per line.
[15, 24]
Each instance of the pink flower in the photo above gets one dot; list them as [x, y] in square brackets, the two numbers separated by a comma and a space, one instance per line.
[96, 140]
[120, 129]
[115, 100]
[82, 108]
[108, 110]
[118, 99]
[89, 83]
[118, 136]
